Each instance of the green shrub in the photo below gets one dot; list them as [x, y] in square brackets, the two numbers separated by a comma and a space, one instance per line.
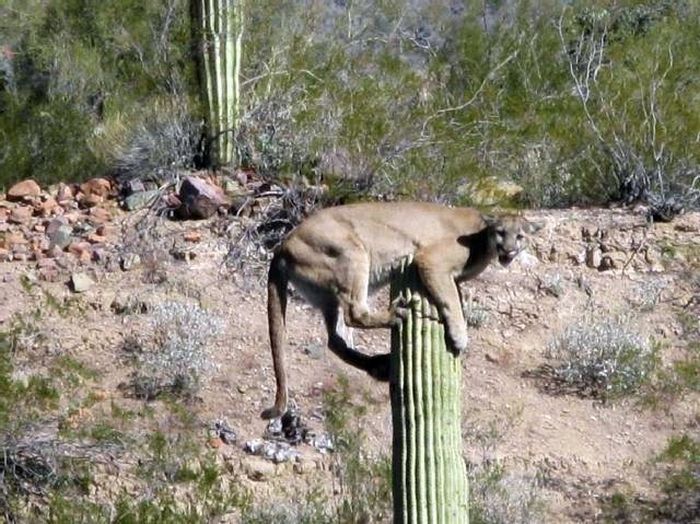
[176, 356]
[603, 357]
[497, 496]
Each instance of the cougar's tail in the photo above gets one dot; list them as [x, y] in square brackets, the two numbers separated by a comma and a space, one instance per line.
[277, 280]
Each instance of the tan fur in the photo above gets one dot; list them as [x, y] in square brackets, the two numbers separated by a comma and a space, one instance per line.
[340, 254]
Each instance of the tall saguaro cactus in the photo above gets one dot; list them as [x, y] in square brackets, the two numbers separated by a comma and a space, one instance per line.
[429, 476]
[218, 26]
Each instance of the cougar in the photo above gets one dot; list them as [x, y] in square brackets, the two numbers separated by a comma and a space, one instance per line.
[338, 255]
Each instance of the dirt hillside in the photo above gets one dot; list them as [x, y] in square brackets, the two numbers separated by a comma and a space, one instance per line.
[584, 266]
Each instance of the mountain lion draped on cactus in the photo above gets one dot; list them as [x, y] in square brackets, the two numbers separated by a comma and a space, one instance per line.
[340, 254]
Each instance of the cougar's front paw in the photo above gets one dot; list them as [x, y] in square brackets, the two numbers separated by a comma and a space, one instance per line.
[380, 367]
[457, 342]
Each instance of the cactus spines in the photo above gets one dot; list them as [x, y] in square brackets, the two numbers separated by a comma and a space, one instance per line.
[219, 25]
[429, 475]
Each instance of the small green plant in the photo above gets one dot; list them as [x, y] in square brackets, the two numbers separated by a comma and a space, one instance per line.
[603, 357]
[364, 482]
[648, 293]
[314, 510]
[497, 496]
[176, 356]
[475, 314]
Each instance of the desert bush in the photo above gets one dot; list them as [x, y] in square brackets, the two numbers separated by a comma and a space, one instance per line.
[603, 356]
[71, 69]
[582, 105]
[314, 510]
[363, 481]
[156, 145]
[475, 314]
[176, 355]
[498, 496]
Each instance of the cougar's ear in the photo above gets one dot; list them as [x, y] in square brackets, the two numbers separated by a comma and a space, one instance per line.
[533, 227]
[491, 221]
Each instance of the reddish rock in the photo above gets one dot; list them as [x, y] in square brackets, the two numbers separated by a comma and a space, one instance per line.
[54, 252]
[39, 243]
[89, 200]
[15, 238]
[21, 215]
[105, 230]
[47, 207]
[20, 252]
[78, 248]
[98, 187]
[39, 228]
[5, 255]
[4, 214]
[193, 236]
[72, 217]
[22, 190]
[65, 194]
[99, 215]
[215, 442]
[94, 238]
[49, 274]
[200, 199]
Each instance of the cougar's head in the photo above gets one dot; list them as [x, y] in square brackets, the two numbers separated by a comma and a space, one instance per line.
[508, 236]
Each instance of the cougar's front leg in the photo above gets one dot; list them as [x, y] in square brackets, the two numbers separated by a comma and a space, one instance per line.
[445, 294]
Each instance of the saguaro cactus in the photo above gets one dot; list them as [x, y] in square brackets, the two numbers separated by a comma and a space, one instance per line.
[429, 476]
[218, 28]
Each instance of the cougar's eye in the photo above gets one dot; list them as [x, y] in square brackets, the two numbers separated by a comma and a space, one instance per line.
[519, 236]
[501, 232]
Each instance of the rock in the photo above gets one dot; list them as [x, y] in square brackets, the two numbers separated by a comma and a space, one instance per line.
[99, 216]
[54, 252]
[81, 249]
[5, 255]
[47, 207]
[200, 199]
[98, 187]
[612, 261]
[4, 214]
[14, 238]
[65, 195]
[39, 244]
[130, 261]
[223, 431]
[23, 190]
[48, 270]
[21, 215]
[134, 186]
[81, 282]
[215, 442]
[593, 256]
[258, 469]
[59, 234]
[140, 200]
[192, 236]
[277, 452]
[89, 200]
[94, 238]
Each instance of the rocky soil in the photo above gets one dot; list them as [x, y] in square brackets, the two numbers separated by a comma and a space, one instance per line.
[78, 245]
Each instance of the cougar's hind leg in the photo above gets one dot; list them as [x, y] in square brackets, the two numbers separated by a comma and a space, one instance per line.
[377, 366]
